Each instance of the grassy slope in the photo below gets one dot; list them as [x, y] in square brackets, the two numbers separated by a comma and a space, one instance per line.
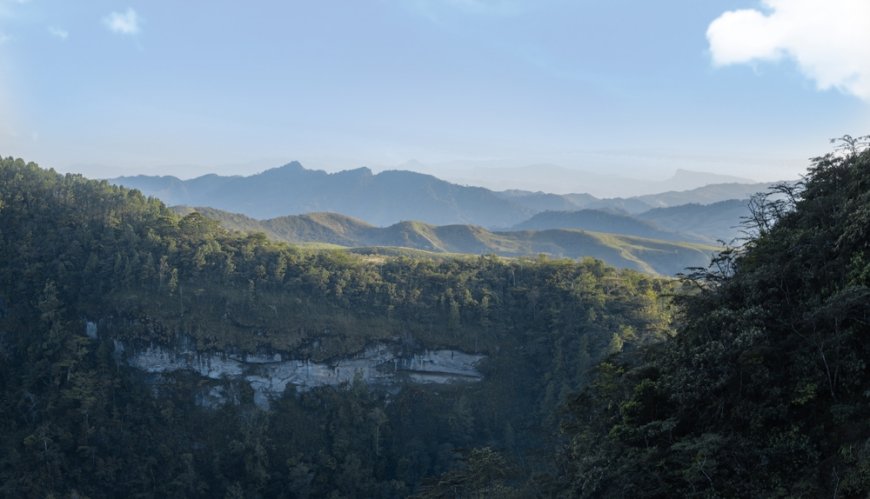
[647, 255]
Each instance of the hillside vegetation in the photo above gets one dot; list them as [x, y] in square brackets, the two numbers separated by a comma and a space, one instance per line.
[621, 250]
[750, 379]
[765, 390]
[86, 267]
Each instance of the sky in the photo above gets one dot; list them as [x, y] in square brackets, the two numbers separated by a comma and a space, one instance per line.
[750, 88]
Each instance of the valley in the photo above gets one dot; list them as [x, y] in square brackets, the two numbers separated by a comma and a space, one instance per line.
[434, 249]
[332, 355]
[214, 342]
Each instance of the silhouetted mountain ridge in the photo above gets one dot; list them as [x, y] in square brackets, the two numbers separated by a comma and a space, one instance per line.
[384, 198]
[392, 196]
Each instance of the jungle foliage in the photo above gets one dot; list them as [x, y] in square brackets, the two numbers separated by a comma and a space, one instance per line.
[76, 421]
[765, 390]
[754, 384]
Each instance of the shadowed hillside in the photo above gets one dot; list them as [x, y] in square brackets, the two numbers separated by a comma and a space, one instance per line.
[765, 389]
[148, 354]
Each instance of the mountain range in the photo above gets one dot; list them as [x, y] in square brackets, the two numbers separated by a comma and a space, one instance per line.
[382, 199]
[500, 175]
[721, 221]
[391, 197]
[601, 221]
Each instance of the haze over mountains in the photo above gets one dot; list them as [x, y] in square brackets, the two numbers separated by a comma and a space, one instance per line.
[381, 199]
[624, 250]
[390, 197]
[600, 221]
[407, 211]
[558, 179]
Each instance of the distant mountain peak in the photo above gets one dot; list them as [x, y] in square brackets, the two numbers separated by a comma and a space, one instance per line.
[383, 199]
[706, 178]
[291, 167]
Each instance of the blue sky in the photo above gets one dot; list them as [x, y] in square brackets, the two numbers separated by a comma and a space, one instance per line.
[637, 88]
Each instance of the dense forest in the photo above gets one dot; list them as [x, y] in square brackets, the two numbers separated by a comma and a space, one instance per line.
[80, 256]
[765, 390]
[745, 379]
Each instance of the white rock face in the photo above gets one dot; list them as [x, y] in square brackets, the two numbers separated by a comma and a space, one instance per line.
[270, 375]
[91, 330]
[215, 397]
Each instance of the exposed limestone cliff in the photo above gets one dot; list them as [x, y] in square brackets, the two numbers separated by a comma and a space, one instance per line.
[269, 375]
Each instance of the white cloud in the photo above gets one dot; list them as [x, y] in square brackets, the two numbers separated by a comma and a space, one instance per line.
[58, 33]
[124, 23]
[828, 39]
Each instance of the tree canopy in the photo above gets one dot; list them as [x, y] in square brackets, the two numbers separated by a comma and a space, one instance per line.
[765, 390]
[84, 263]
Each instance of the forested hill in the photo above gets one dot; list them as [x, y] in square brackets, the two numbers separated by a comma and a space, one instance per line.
[765, 390]
[760, 391]
[94, 276]
[629, 249]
